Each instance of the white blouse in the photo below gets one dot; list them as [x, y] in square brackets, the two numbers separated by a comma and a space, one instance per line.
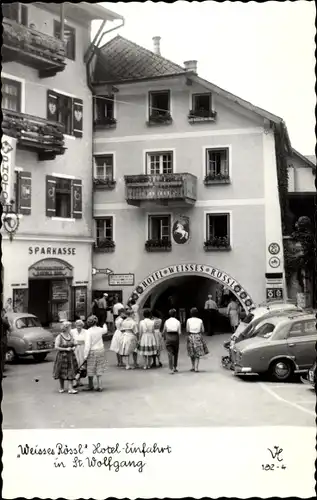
[194, 325]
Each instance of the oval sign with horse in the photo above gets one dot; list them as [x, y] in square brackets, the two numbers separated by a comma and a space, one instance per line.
[181, 230]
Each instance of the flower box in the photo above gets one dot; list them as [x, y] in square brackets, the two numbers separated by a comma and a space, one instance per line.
[105, 246]
[216, 179]
[104, 184]
[160, 119]
[102, 123]
[217, 244]
[201, 115]
[163, 245]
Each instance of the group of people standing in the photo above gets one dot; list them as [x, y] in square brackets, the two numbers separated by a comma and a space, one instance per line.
[148, 338]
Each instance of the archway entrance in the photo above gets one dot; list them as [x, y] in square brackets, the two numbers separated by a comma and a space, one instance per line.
[168, 277]
[50, 283]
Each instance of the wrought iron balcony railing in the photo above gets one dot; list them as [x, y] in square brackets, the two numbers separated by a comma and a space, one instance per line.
[163, 188]
[35, 134]
[32, 48]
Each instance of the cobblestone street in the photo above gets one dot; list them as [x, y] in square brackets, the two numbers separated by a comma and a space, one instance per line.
[213, 397]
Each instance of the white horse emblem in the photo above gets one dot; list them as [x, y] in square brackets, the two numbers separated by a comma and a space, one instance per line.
[181, 230]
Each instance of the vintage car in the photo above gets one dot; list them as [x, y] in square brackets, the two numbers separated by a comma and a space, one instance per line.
[282, 346]
[258, 312]
[251, 328]
[28, 338]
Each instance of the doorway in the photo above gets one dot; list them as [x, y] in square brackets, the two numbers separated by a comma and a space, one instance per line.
[39, 300]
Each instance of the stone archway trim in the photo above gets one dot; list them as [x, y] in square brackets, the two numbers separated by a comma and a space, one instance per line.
[195, 269]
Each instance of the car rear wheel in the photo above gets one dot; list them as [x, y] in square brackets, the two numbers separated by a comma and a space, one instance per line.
[10, 356]
[281, 370]
[40, 356]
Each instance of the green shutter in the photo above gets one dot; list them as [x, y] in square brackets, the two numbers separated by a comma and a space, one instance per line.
[78, 110]
[52, 106]
[50, 196]
[77, 191]
[24, 193]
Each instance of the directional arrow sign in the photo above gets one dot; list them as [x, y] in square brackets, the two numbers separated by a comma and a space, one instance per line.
[101, 271]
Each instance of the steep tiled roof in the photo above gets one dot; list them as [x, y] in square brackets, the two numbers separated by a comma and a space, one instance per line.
[121, 60]
[311, 158]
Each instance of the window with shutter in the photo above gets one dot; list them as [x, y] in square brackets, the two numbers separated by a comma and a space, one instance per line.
[78, 117]
[50, 196]
[77, 199]
[11, 94]
[63, 198]
[24, 191]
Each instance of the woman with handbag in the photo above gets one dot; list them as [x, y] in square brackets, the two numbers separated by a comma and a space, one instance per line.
[79, 334]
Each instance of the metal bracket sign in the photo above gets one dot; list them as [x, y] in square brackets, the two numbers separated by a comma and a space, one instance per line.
[121, 279]
[101, 271]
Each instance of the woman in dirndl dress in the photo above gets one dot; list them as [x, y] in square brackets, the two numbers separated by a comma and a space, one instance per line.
[196, 345]
[147, 343]
[65, 365]
[159, 339]
[117, 337]
[129, 342]
[79, 334]
[95, 352]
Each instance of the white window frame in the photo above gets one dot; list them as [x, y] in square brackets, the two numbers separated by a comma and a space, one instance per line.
[148, 102]
[114, 104]
[219, 212]
[106, 153]
[147, 152]
[156, 214]
[19, 80]
[192, 94]
[102, 217]
[216, 147]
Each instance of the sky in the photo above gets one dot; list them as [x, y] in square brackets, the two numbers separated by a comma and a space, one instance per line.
[262, 52]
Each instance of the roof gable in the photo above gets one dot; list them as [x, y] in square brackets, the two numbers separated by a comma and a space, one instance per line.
[121, 60]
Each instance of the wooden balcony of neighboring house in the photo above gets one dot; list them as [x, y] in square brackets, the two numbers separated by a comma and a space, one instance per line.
[104, 184]
[220, 178]
[105, 123]
[163, 245]
[163, 189]
[32, 48]
[44, 137]
[217, 244]
[201, 116]
[160, 118]
[104, 246]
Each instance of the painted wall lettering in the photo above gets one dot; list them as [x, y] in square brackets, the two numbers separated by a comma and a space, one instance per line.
[51, 251]
[202, 269]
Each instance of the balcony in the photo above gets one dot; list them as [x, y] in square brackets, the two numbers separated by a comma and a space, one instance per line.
[34, 134]
[32, 48]
[163, 189]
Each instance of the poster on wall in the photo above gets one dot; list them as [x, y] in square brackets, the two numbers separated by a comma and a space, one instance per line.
[59, 291]
[20, 300]
[80, 302]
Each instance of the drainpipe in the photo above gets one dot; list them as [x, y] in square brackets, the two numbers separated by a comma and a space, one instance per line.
[62, 16]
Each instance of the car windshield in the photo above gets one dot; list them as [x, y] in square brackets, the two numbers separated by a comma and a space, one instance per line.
[248, 318]
[265, 331]
[27, 322]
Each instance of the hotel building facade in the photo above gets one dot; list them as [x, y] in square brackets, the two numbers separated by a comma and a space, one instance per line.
[186, 185]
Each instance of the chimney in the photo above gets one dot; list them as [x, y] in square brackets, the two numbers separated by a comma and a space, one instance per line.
[191, 66]
[156, 44]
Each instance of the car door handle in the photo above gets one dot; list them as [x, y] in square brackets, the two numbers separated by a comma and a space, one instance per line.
[292, 345]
